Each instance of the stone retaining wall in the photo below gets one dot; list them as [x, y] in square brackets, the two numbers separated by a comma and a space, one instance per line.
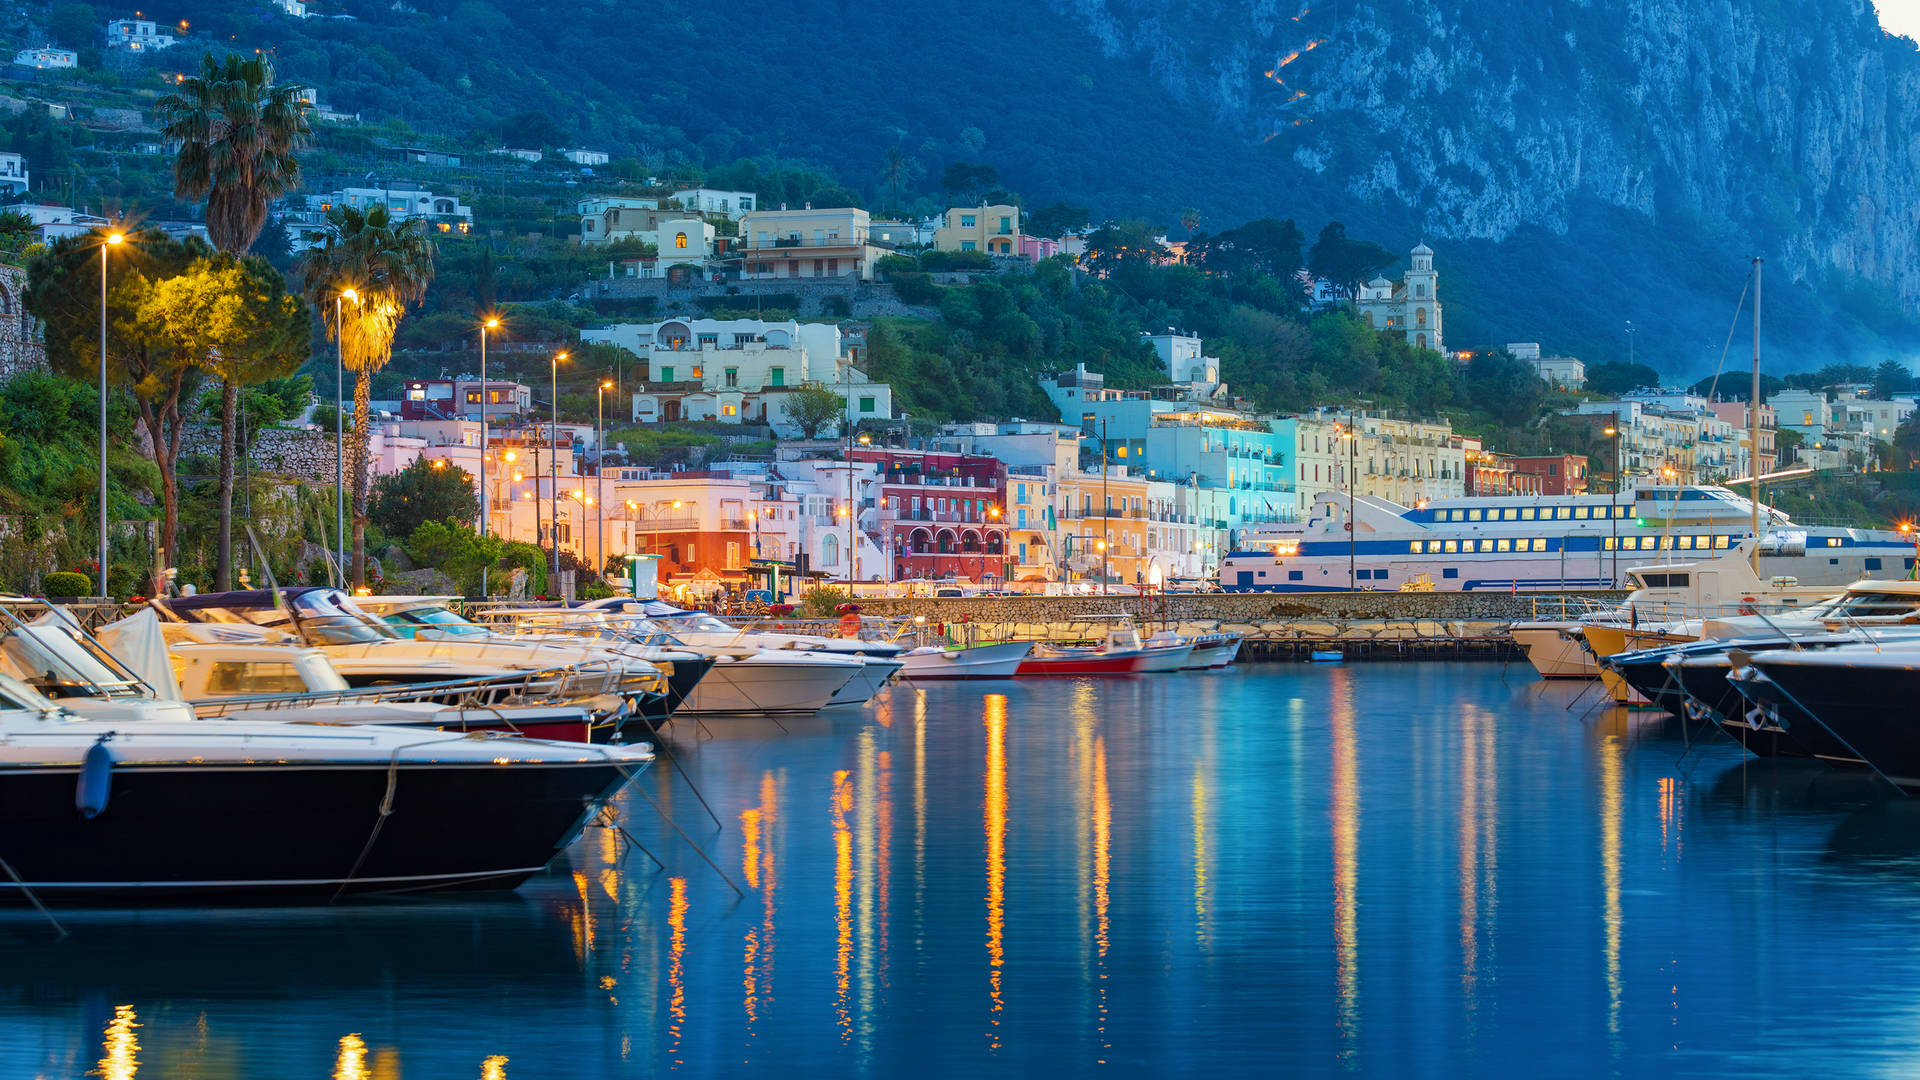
[1272, 617]
[296, 452]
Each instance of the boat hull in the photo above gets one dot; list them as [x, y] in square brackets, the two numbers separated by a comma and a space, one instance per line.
[1866, 709]
[294, 831]
[749, 687]
[875, 674]
[1166, 657]
[1213, 654]
[1551, 653]
[1605, 639]
[979, 662]
[1091, 663]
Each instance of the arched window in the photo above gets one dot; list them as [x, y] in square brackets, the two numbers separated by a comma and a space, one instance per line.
[1420, 341]
[1420, 317]
[680, 240]
[830, 550]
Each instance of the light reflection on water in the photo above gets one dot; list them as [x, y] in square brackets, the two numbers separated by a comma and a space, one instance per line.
[1395, 869]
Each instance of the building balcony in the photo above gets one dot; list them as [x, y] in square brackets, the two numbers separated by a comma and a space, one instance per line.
[790, 243]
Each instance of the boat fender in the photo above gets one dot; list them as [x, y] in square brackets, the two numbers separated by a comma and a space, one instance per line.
[1746, 606]
[96, 779]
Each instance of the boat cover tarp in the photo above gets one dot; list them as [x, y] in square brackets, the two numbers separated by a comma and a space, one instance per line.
[136, 641]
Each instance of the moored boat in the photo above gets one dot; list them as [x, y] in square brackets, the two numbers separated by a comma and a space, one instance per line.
[996, 661]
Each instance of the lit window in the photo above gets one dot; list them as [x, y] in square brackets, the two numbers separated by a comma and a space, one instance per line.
[1686, 543]
[1720, 542]
[1564, 513]
[1607, 543]
[1503, 545]
[1580, 512]
[1415, 547]
[1526, 513]
[1666, 543]
[1473, 515]
[1833, 541]
[680, 240]
[1511, 513]
[1453, 546]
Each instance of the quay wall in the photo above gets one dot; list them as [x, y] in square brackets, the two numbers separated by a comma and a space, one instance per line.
[1275, 624]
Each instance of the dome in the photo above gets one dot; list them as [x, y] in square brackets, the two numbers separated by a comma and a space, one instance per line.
[1423, 249]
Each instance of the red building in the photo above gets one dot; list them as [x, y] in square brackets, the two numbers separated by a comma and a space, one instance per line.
[1559, 474]
[941, 514]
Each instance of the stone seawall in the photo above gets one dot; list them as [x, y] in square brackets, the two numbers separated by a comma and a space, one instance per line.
[1274, 623]
[296, 452]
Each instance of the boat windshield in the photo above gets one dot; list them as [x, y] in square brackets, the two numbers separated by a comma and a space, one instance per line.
[57, 661]
[446, 623]
[704, 623]
[321, 618]
[1867, 605]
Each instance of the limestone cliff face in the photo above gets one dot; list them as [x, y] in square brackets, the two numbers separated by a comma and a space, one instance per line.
[1790, 125]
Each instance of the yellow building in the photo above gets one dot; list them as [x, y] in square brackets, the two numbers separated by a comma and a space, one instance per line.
[992, 229]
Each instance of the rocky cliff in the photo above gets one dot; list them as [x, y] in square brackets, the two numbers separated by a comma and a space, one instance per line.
[1791, 124]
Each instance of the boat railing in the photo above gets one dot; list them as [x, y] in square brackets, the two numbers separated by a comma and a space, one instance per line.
[549, 686]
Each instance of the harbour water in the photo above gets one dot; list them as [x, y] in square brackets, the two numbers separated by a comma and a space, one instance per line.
[1392, 869]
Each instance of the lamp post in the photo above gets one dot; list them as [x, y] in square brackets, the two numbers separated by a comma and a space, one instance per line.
[1613, 501]
[340, 430]
[599, 471]
[1353, 461]
[112, 240]
[553, 453]
[1106, 509]
[1913, 571]
[486, 479]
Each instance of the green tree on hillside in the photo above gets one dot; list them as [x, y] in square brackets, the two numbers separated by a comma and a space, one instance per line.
[1614, 377]
[1346, 262]
[813, 408]
[1056, 220]
[1890, 378]
[388, 265]
[238, 132]
[143, 354]
[424, 491]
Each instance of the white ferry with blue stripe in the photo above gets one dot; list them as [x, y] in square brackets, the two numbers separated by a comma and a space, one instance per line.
[1524, 543]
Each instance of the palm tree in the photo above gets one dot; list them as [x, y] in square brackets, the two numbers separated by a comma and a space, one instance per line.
[894, 171]
[388, 266]
[238, 132]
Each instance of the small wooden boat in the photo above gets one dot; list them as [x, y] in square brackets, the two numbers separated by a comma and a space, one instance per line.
[1328, 656]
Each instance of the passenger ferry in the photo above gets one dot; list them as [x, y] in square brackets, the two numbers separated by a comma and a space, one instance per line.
[1524, 543]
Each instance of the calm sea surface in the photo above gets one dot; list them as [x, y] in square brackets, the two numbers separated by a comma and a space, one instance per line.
[1394, 869]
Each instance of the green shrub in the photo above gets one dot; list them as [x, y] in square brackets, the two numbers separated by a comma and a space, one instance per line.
[915, 288]
[66, 583]
[819, 603]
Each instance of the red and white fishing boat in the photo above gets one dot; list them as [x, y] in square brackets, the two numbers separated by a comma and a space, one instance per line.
[1123, 653]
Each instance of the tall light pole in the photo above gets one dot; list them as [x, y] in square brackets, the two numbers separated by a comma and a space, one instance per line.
[1106, 509]
[1352, 435]
[486, 478]
[1613, 501]
[340, 432]
[553, 466]
[112, 240]
[599, 472]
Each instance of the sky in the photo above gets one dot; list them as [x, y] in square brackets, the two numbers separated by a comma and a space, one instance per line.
[1900, 17]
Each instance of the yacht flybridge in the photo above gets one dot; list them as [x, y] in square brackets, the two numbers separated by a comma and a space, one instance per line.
[1544, 542]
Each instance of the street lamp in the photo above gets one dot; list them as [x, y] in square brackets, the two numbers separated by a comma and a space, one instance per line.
[486, 478]
[339, 430]
[553, 453]
[1353, 462]
[1913, 571]
[1613, 503]
[112, 240]
[599, 470]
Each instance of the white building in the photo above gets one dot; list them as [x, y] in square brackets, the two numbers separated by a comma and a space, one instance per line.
[587, 157]
[1411, 308]
[680, 244]
[47, 58]
[1184, 359]
[608, 218]
[729, 204]
[295, 8]
[138, 35]
[1562, 371]
[13, 173]
[54, 222]
[307, 225]
[741, 370]
[531, 157]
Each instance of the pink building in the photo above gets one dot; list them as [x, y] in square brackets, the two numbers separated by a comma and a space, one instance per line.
[1036, 248]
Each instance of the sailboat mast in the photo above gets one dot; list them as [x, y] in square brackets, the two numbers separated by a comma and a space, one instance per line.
[1753, 425]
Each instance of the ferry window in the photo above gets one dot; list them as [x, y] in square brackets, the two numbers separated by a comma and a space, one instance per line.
[1686, 543]
[1540, 543]
[1833, 541]
[1526, 513]
[1619, 511]
[1453, 546]
[1721, 542]
[1666, 543]
[1473, 515]
[1504, 545]
[1415, 547]
[1579, 512]
[1565, 513]
[1607, 543]
[1511, 513]
[1450, 572]
[1701, 542]
[1295, 575]
[1871, 564]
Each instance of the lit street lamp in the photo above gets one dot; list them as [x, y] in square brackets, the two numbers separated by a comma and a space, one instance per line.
[340, 431]
[553, 466]
[1613, 502]
[599, 484]
[486, 479]
[113, 239]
